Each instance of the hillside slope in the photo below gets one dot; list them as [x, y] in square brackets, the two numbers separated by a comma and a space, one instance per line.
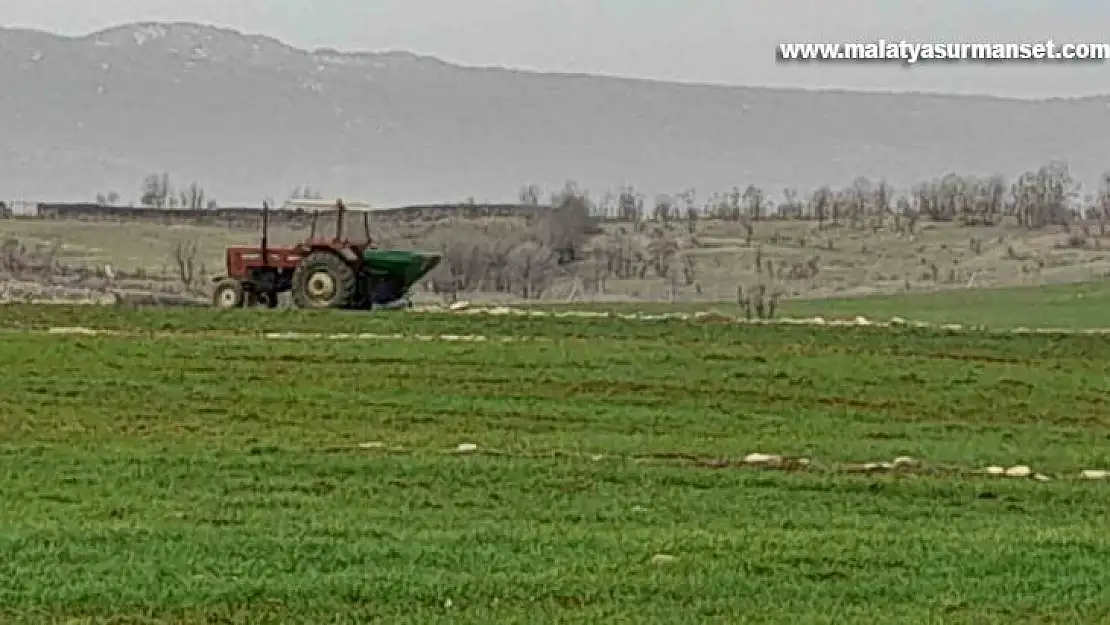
[249, 116]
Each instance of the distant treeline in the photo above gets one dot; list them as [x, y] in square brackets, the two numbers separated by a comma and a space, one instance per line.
[253, 215]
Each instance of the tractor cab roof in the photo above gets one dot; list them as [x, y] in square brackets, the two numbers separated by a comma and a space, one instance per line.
[325, 205]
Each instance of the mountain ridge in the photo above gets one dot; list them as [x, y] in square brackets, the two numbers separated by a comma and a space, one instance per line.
[387, 52]
[248, 115]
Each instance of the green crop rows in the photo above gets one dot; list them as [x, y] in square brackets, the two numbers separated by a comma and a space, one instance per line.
[194, 472]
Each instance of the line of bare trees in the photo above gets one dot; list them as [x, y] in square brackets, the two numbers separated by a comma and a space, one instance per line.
[1049, 195]
[1046, 196]
[157, 191]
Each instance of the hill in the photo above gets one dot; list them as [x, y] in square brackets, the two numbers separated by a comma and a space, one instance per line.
[249, 115]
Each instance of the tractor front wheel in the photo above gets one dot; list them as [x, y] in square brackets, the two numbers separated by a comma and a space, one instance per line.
[324, 280]
[228, 294]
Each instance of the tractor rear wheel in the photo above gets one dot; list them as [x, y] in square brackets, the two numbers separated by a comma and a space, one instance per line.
[228, 294]
[324, 280]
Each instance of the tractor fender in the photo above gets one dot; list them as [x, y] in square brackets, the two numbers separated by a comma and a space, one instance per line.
[346, 254]
[349, 255]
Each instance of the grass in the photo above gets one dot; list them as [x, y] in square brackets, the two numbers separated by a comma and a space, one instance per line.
[1069, 306]
[204, 474]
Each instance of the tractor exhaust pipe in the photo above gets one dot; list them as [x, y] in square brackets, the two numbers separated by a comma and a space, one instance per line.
[341, 209]
[265, 234]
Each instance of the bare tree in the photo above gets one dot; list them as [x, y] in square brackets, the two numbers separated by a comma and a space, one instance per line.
[664, 208]
[533, 266]
[1102, 204]
[530, 195]
[630, 206]
[305, 192]
[755, 203]
[156, 191]
[791, 208]
[733, 209]
[1046, 196]
[822, 201]
[193, 197]
[110, 198]
[662, 250]
[882, 202]
[857, 201]
[184, 259]
[567, 225]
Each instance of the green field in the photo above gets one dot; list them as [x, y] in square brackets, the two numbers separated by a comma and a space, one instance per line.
[1072, 306]
[196, 472]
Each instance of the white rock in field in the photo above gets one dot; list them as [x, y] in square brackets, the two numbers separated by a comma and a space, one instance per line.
[75, 330]
[1095, 474]
[597, 457]
[1019, 471]
[905, 461]
[663, 558]
[466, 448]
[1041, 477]
[862, 321]
[372, 445]
[758, 458]
[460, 338]
[460, 306]
[878, 466]
[992, 470]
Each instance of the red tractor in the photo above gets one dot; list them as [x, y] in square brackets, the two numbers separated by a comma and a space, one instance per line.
[321, 272]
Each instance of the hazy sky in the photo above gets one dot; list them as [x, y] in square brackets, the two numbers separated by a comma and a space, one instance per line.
[727, 41]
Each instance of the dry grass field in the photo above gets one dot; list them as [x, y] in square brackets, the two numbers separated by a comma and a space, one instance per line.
[645, 262]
